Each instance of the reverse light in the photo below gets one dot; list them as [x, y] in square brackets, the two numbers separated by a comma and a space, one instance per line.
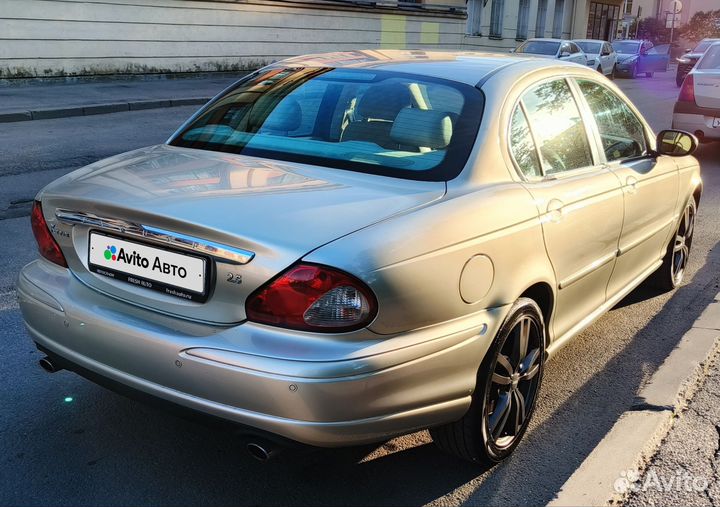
[687, 92]
[47, 245]
[313, 298]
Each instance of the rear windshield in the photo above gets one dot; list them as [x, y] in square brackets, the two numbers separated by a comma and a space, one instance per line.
[626, 48]
[711, 59]
[381, 122]
[539, 47]
[700, 48]
[591, 48]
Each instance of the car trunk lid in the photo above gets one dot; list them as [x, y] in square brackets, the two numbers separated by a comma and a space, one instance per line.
[707, 88]
[181, 200]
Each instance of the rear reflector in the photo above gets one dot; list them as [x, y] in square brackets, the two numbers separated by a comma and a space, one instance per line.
[47, 245]
[313, 298]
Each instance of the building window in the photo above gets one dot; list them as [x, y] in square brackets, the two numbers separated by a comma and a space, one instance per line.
[628, 6]
[541, 15]
[558, 18]
[496, 18]
[602, 21]
[474, 16]
[522, 24]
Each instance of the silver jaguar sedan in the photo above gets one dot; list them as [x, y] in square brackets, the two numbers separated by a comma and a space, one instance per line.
[343, 248]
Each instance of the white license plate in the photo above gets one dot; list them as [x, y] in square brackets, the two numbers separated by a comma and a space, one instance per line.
[716, 122]
[154, 268]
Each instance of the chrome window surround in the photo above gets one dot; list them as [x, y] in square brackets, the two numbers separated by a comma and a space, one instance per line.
[220, 252]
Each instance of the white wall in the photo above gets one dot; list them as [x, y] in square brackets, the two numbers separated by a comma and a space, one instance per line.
[89, 37]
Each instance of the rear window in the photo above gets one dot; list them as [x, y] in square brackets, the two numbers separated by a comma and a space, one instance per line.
[382, 122]
[700, 48]
[539, 47]
[711, 59]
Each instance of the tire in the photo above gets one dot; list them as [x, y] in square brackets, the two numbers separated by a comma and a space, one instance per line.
[672, 271]
[649, 74]
[473, 438]
[633, 71]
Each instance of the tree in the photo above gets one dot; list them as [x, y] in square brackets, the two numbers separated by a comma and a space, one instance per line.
[702, 25]
[653, 29]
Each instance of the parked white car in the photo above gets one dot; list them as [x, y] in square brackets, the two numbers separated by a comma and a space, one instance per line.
[600, 54]
[558, 49]
[697, 109]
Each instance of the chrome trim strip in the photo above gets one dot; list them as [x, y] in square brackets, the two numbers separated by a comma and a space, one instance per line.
[587, 270]
[625, 249]
[218, 251]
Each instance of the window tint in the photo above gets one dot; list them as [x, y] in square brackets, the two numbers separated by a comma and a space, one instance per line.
[621, 132]
[380, 122]
[558, 128]
[522, 145]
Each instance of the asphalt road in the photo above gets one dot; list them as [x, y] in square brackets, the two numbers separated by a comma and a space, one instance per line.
[103, 449]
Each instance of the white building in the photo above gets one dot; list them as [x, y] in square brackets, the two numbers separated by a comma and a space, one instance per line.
[89, 37]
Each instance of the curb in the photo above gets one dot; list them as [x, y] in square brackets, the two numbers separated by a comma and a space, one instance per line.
[90, 109]
[637, 434]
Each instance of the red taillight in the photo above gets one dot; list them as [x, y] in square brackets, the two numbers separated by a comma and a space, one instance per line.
[687, 92]
[313, 298]
[47, 245]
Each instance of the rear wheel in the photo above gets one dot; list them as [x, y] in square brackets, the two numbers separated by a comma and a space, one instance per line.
[672, 271]
[649, 74]
[506, 391]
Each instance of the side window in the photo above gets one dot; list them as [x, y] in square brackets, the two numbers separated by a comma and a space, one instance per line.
[574, 48]
[621, 132]
[523, 146]
[565, 48]
[558, 127]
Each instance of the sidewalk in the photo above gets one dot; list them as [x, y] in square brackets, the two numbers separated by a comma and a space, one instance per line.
[686, 468]
[38, 101]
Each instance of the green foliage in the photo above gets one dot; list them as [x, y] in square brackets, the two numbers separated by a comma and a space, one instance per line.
[702, 25]
[653, 29]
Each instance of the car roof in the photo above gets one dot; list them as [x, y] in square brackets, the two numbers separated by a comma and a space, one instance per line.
[462, 66]
[589, 40]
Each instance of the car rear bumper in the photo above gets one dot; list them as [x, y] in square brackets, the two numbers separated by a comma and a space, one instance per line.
[325, 391]
[695, 119]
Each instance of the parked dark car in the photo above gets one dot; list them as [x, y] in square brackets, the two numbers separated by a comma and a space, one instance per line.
[637, 57]
[687, 61]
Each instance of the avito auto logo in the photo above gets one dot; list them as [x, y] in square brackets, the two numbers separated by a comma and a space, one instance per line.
[135, 259]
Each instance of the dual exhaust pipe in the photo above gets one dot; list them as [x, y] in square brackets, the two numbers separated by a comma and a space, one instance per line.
[261, 450]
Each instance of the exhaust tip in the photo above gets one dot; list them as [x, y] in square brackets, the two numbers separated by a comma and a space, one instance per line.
[47, 365]
[260, 452]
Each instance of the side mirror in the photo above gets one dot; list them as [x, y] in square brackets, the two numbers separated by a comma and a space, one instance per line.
[676, 143]
[564, 54]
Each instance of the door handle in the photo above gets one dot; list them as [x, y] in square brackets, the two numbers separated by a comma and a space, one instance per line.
[555, 209]
[631, 184]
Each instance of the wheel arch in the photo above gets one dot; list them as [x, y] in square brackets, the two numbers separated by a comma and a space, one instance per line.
[542, 293]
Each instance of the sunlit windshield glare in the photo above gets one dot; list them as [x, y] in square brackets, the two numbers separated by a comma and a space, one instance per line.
[371, 121]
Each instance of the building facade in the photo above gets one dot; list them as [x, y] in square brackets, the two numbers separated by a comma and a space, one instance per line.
[49, 38]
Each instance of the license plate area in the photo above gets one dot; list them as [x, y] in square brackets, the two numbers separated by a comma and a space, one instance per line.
[149, 266]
